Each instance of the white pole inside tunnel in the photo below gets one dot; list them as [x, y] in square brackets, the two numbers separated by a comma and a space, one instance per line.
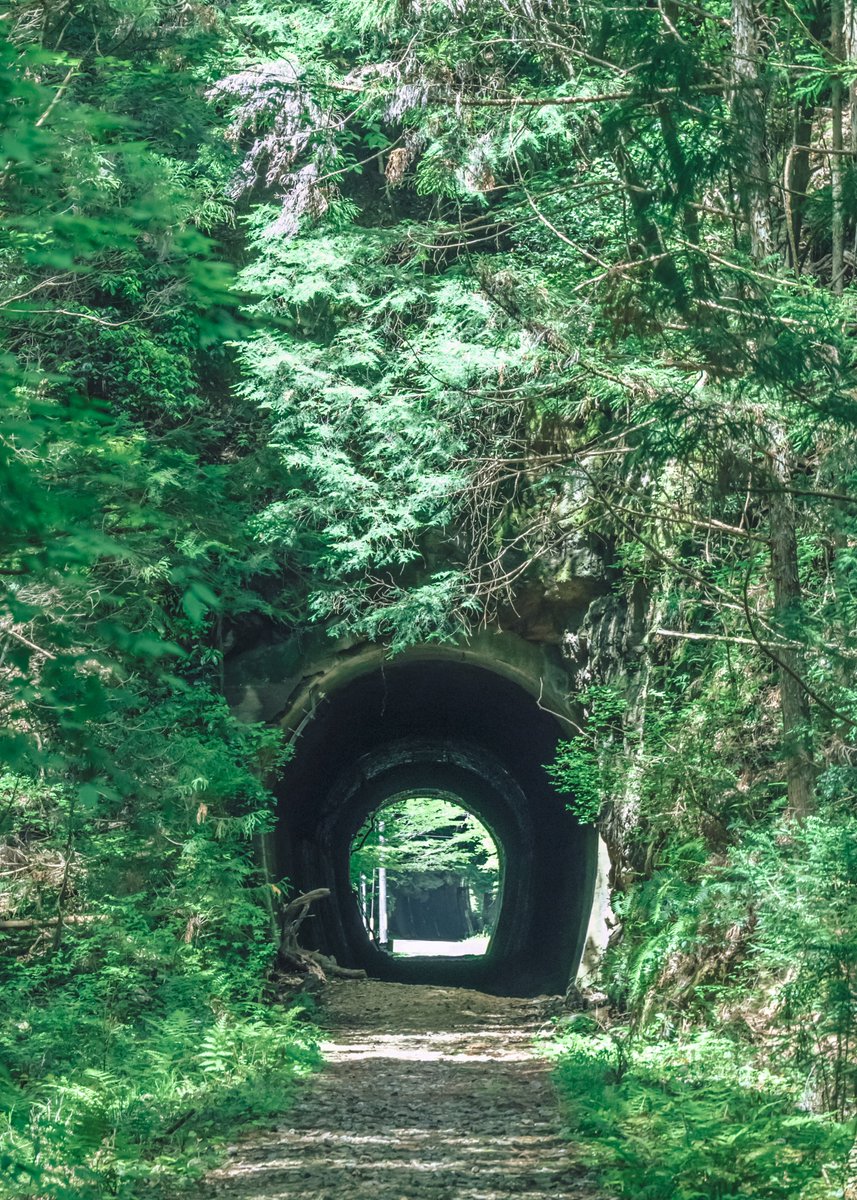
[382, 891]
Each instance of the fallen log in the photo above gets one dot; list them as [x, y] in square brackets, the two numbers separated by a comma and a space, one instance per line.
[331, 967]
[50, 922]
[292, 956]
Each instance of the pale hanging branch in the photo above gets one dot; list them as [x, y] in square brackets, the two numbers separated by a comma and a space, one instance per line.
[58, 95]
[19, 637]
[54, 281]
[620, 269]
[718, 637]
[713, 89]
[67, 312]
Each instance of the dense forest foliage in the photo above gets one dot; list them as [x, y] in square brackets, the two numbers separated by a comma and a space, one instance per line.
[382, 315]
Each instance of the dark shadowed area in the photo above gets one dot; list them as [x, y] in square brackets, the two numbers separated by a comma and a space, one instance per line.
[450, 727]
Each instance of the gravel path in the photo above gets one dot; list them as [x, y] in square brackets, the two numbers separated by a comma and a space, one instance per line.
[428, 1094]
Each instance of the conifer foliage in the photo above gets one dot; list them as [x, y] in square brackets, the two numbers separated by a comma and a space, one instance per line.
[379, 316]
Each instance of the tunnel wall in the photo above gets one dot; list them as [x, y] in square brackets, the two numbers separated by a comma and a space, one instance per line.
[443, 722]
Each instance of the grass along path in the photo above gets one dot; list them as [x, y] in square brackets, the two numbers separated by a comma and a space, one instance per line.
[428, 1094]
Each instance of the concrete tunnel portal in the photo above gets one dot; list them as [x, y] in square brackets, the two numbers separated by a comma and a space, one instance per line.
[439, 726]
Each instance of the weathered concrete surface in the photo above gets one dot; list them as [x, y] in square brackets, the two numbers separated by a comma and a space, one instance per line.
[284, 680]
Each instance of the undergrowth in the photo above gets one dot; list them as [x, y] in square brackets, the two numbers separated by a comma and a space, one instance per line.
[694, 1119]
[129, 1078]
[731, 1072]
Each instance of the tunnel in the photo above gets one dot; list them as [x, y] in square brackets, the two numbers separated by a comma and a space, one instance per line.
[465, 732]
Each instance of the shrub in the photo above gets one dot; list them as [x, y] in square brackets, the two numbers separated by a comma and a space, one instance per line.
[694, 1120]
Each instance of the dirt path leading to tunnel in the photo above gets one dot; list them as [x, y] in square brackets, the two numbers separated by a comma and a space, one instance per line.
[428, 1094]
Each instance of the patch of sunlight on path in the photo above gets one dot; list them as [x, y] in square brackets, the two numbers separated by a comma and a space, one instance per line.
[411, 948]
[427, 1093]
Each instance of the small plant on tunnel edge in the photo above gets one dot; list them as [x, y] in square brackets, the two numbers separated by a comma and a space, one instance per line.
[576, 775]
[578, 771]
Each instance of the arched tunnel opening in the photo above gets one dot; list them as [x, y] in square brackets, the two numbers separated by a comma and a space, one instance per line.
[428, 875]
[440, 727]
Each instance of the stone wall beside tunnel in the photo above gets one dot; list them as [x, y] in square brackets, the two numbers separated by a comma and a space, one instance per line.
[437, 722]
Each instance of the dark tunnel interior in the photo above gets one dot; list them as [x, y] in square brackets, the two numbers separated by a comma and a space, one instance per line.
[461, 730]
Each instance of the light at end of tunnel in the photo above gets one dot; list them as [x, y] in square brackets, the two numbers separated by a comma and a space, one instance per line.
[427, 876]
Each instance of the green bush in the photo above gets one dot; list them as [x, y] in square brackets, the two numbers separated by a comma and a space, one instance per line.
[100, 1103]
[694, 1120]
[582, 771]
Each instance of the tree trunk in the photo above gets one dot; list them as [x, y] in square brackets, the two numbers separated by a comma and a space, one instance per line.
[850, 52]
[640, 199]
[794, 705]
[837, 48]
[797, 176]
[748, 118]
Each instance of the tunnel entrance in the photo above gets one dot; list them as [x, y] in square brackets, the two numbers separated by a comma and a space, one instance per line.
[435, 727]
[427, 874]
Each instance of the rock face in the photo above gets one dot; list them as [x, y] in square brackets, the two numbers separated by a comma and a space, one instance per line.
[475, 722]
[609, 648]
